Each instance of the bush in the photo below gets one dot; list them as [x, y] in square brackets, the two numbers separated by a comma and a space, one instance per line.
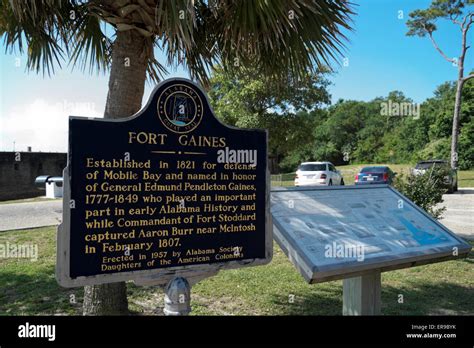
[439, 148]
[425, 190]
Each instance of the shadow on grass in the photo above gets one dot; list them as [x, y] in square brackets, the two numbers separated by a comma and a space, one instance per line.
[323, 300]
[418, 299]
[23, 294]
[428, 299]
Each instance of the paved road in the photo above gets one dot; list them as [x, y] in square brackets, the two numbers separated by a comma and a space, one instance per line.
[15, 216]
[459, 215]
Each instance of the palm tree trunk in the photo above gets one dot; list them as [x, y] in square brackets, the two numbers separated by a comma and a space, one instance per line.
[126, 87]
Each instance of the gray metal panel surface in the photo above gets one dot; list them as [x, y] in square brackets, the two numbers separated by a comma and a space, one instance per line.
[339, 232]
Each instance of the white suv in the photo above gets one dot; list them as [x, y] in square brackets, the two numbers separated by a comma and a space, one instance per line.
[318, 173]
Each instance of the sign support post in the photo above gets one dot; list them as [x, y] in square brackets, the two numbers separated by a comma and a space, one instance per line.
[361, 295]
[177, 297]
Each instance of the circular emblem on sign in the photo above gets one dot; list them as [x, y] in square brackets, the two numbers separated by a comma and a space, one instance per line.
[180, 108]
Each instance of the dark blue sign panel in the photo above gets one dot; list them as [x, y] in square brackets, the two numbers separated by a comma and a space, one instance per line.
[170, 187]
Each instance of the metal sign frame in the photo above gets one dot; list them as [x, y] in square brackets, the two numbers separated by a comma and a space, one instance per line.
[317, 274]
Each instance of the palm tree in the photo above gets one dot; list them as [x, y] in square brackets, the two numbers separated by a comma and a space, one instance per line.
[278, 37]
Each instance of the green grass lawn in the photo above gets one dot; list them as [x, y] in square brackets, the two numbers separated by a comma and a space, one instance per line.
[29, 288]
[465, 177]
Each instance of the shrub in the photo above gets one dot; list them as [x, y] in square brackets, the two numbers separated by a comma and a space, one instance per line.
[425, 190]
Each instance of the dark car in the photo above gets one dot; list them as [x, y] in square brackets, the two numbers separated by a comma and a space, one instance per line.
[451, 179]
[374, 175]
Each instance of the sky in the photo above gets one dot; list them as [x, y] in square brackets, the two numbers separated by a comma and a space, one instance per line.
[378, 58]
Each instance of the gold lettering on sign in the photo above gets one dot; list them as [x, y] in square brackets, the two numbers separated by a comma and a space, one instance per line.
[185, 199]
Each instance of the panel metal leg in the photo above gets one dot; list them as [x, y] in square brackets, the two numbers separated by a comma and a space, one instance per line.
[361, 295]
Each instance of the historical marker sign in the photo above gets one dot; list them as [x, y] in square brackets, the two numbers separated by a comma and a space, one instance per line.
[343, 232]
[168, 191]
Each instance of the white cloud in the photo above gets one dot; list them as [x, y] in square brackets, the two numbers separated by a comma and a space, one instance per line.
[41, 125]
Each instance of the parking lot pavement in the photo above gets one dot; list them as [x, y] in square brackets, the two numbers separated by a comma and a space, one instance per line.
[15, 216]
[459, 215]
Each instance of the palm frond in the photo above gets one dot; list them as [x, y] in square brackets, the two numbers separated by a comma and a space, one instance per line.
[284, 36]
[155, 70]
[40, 25]
[90, 46]
[279, 37]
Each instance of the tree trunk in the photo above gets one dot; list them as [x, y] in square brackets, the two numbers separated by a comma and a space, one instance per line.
[127, 75]
[126, 86]
[457, 101]
[455, 131]
[457, 107]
